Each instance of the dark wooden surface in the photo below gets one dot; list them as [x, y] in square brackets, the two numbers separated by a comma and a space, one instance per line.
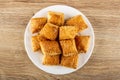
[104, 63]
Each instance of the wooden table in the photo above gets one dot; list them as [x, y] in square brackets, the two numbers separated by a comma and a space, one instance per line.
[104, 63]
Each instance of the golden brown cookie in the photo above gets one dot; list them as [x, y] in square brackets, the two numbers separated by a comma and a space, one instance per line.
[35, 43]
[50, 47]
[78, 22]
[56, 18]
[51, 60]
[82, 43]
[70, 61]
[49, 31]
[67, 32]
[68, 47]
[37, 24]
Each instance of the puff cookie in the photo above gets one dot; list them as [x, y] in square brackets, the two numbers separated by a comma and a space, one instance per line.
[82, 43]
[49, 31]
[70, 61]
[37, 24]
[51, 60]
[67, 32]
[68, 47]
[56, 18]
[35, 43]
[78, 22]
[50, 47]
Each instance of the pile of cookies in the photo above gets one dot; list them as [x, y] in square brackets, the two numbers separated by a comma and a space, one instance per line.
[58, 39]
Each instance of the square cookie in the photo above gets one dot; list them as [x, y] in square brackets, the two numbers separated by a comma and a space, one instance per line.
[37, 24]
[82, 43]
[51, 60]
[68, 47]
[78, 22]
[70, 61]
[50, 47]
[56, 18]
[35, 43]
[49, 31]
[67, 32]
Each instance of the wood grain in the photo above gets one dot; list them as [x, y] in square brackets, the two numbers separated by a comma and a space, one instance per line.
[104, 63]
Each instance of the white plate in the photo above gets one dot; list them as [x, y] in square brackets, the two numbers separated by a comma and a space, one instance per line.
[36, 57]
